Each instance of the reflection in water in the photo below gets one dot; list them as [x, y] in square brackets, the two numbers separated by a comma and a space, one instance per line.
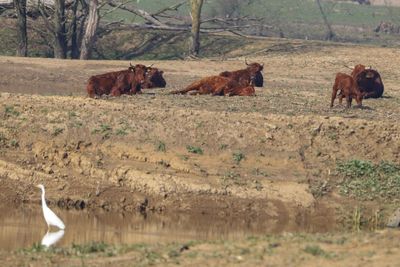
[50, 238]
[22, 227]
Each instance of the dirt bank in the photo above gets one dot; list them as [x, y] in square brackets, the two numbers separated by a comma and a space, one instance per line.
[255, 156]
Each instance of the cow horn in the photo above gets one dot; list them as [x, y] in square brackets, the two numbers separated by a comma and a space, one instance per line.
[150, 65]
[130, 63]
[245, 61]
[262, 65]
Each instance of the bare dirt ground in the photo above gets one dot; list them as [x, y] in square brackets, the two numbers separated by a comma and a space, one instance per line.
[256, 157]
[373, 249]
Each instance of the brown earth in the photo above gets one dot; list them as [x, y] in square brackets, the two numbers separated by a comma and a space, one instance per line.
[373, 249]
[261, 157]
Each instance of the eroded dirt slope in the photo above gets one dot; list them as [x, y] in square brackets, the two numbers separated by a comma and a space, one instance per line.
[225, 155]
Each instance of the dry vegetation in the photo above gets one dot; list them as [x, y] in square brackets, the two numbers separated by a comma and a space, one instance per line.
[272, 156]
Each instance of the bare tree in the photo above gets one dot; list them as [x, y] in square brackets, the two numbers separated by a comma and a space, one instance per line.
[22, 37]
[74, 30]
[60, 34]
[195, 12]
[91, 26]
[330, 35]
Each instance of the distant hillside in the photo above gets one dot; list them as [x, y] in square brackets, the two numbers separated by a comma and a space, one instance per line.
[386, 2]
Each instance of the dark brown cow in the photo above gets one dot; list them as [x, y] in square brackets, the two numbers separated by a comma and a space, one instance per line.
[118, 82]
[218, 85]
[368, 80]
[244, 76]
[154, 78]
[348, 89]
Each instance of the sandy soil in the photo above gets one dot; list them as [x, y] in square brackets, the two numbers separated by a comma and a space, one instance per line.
[260, 155]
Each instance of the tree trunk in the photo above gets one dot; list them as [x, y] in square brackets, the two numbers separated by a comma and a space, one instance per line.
[89, 36]
[22, 38]
[195, 12]
[74, 32]
[330, 35]
[60, 34]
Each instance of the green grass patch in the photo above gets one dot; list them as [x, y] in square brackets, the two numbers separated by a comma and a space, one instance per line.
[368, 181]
[93, 247]
[316, 250]
[57, 131]
[194, 150]
[11, 111]
[238, 157]
[105, 130]
[161, 146]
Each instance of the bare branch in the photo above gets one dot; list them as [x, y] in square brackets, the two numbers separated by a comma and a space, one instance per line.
[173, 7]
[114, 8]
[147, 16]
[43, 14]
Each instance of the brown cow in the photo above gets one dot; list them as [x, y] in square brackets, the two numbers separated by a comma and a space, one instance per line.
[154, 78]
[118, 82]
[368, 80]
[218, 85]
[348, 88]
[244, 76]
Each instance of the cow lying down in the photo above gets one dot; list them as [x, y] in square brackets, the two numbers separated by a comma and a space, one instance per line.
[118, 82]
[368, 80]
[218, 85]
[129, 81]
[244, 76]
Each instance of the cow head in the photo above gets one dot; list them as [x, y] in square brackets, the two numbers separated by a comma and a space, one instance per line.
[254, 67]
[255, 71]
[139, 72]
[367, 74]
[154, 78]
[357, 70]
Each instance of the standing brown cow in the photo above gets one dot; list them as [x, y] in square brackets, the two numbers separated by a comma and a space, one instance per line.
[118, 82]
[348, 88]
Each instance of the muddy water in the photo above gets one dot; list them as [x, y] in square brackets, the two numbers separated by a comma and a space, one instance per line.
[23, 227]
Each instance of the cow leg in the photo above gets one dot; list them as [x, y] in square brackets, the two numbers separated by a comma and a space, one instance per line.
[194, 92]
[348, 101]
[115, 91]
[359, 101]
[205, 89]
[334, 93]
[341, 96]
[91, 91]
[135, 89]
[134, 92]
[220, 90]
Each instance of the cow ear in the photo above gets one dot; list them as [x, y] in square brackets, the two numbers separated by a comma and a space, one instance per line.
[161, 72]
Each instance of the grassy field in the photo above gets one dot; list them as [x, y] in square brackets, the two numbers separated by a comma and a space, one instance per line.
[284, 11]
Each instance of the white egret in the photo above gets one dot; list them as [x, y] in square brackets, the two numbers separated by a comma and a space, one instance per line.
[50, 217]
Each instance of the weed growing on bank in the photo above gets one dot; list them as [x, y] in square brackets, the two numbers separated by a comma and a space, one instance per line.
[365, 180]
[194, 150]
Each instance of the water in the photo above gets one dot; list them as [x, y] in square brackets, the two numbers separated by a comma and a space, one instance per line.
[23, 227]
